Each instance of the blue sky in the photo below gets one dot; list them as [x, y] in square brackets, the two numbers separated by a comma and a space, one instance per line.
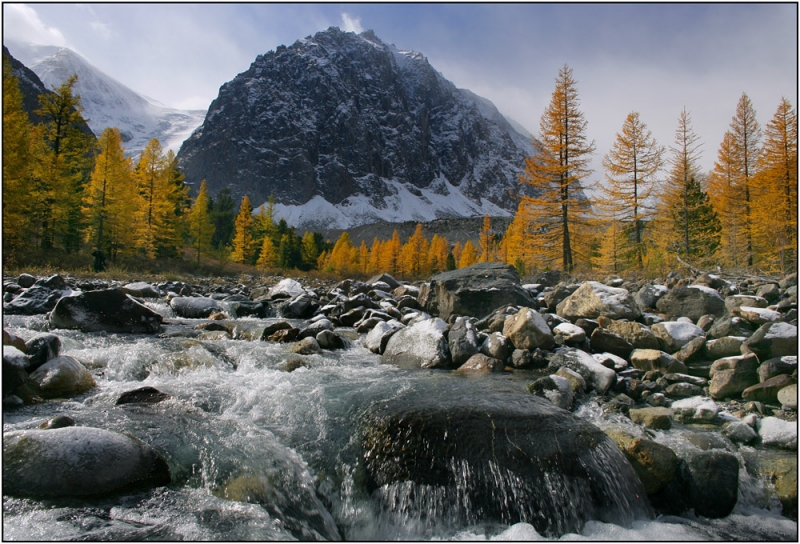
[651, 58]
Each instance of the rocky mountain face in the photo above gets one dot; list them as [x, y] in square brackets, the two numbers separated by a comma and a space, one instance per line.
[345, 130]
[107, 102]
[31, 88]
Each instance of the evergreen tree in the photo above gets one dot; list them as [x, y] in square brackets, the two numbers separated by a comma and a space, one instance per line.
[64, 167]
[223, 212]
[201, 229]
[556, 172]
[243, 233]
[450, 263]
[310, 248]
[631, 168]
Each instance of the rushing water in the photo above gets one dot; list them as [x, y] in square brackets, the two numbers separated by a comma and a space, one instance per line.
[258, 453]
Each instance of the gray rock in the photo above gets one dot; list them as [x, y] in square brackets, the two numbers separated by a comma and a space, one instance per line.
[481, 364]
[63, 376]
[32, 301]
[462, 340]
[422, 345]
[594, 299]
[683, 390]
[778, 432]
[141, 289]
[194, 307]
[110, 310]
[655, 417]
[640, 336]
[735, 301]
[712, 482]
[554, 388]
[692, 351]
[788, 397]
[770, 291]
[77, 462]
[673, 335]
[652, 359]
[603, 340]
[306, 346]
[776, 366]
[692, 302]
[327, 339]
[378, 337]
[496, 345]
[595, 375]
[654, 463]
[475, 291]
[25, 280]
[41, 348]
[767, 391]
[739, 432]
[773, 340]
[648, 295]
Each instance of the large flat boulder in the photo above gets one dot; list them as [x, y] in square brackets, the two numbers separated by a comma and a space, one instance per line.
[78, 461]
[475, 291]
[693, 302]
[494, 455]
[594, 299]
[110, 310]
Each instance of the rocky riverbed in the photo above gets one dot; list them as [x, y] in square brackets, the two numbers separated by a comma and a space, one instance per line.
[471, 405]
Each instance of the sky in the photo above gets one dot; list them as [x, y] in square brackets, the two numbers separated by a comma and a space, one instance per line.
[656, 59]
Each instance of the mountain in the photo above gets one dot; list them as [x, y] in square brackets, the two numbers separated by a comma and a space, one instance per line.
[107, 102]
[345, 130]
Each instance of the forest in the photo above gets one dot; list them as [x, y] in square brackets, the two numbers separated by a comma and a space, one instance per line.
[68, 195]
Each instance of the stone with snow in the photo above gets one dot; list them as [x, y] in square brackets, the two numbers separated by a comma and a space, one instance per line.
[734, 301]
[778, 432]
[141, 289]
[732, 375]
[593, 299]
[286, 288]
[41, 348]
[462, 340]
[693, 302]
[647, 296]
[421, 345]
[527, 329]
[756, 316]
[673, 335]
[739, 432]
[77, 462]
[773, 340]
[569, 333]
[653, 359]
[611, 361]
[34, 300]
[554, 388]
[497, 346]
[727, 346]
[596, 375]
[777, 365]
[378, 337]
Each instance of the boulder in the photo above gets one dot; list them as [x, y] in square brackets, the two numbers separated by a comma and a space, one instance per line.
[462, 340]
[727, 346]
[481, 364]
[695, 409]
[141, 289]
[788, 397]
[730, 326]
[683, 390]
[603, 340]
[329, 340]
[286, 288]
[78, 461]
[377, 338]
[770, 291]
[26, 280]
[654, 417]
[63, 376]
[13, 340]
[34, 300]
[653, 359]
[109, 310]
[693, 302]
[654, 463]
[640, 336]
[778, 432]
[142, 395]
[734, 301]
[497, 346]
[673, 335]
[776, 366]
[739, 432]
[554, 388]
[306, 346]
[596, 375]
[475, 291]
[422, 345]
[756, 316]
[478, 447]
[767, 391]
[647, 296]
[41, 348]
[301, 306]
[527, 329]
[711, 480]
[732, 375]
[773, 340]
[194, 307]
[593, 299]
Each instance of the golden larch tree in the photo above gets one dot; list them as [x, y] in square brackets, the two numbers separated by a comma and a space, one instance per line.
[747, 139]
[486, 240]
[728, 199]
[201, 229]
[555, 173]
[631, 168]
[469, 255]
[243, 239]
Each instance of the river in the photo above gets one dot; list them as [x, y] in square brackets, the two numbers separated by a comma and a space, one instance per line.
[239, 425]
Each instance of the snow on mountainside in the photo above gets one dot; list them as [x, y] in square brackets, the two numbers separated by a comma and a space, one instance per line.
[345, 130]
[107, 102]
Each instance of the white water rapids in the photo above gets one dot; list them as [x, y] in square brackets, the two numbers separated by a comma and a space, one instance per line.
[237, 425]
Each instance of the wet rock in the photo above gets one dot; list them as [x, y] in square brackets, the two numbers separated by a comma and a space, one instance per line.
[63, 376]
[422, 345]
[780, 470]
[271, 329]
[299, 307]
[593, 299]
[773, 340]
[306, 346]
[654, 463]
[32, 301]
[673, 335]
[481, 364]
[475, 291]
[110, 310]
[284, 335]
[711, 479]
[58, 422]
[658, 418]
[488, 445]
[739, 432]
[527, 329]
[329, 340]
[732, 375]
[13, 340]
[78, 461]
[142, 395]
[141, 289]
[692, 302]
[596, 375]
[554, 388]
[497, 346]
[462, 340]
[194, 307]
[293, 362]
[41, 348]
[26, 280]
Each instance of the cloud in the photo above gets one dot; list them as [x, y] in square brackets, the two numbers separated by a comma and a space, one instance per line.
[352, 24]
[22, 23]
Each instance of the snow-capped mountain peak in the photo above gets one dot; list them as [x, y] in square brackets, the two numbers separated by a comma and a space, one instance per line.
[107, 102]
